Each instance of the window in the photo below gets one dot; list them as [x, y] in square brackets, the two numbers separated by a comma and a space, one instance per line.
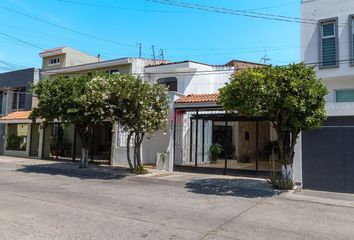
[351, 20]
[54, 61]
[328, 44]
[122, 138]
[112, 71]
[169, 82]
[344, 95]
[19, 98]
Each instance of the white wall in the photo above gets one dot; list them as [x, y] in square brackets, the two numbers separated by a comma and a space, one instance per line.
[341, 77]
[193, 78]
[324, 9]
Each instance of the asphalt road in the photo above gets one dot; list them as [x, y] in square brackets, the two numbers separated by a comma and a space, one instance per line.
[43, 200]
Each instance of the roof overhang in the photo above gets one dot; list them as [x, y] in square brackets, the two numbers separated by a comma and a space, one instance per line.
[17, 117]
[53, 52]
[89, 66]
[205, 105]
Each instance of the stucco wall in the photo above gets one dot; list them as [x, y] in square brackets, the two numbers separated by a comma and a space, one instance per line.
[20, 78]
[193, 78]
[337, 78]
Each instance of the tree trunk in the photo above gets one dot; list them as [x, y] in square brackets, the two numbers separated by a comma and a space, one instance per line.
[134, 154]
[84, 133]
[128, 151]
[84, 158]
[138, 139]
[287, 142]
[138, 149]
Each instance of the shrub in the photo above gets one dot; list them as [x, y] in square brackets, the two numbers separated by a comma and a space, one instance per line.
[280, 183]
[16, 143]
[140, 170]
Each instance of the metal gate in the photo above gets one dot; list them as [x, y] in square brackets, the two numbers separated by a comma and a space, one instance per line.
[243, 142]
[328, 156]
[61, 142]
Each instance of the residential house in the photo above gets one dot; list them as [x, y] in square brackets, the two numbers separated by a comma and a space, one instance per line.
[199, 122]
[327, 42]
[109, 141]
[196, 120]
[16, 103]
[182, 79]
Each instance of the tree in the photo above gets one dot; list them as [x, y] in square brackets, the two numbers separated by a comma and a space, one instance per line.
[139, 107]
[292, 97]
[69, 100]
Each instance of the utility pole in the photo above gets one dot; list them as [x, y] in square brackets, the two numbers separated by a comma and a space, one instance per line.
[153, 53]
[162, 55]
[140, 47]
[266, 58]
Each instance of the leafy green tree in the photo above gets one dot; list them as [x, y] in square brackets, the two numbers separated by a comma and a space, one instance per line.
[69, 100]
[292, 97]
[139, 107]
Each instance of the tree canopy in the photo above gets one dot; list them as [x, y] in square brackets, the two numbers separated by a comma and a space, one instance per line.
[84, 100]
[65, 100]
[292, 97]
[139, 107]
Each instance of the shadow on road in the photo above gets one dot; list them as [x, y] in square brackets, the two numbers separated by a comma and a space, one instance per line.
[247, 188]
[72, 170]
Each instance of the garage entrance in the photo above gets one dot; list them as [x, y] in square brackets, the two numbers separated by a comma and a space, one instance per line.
[328, 156]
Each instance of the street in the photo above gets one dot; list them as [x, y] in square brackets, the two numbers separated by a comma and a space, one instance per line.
[56, 200]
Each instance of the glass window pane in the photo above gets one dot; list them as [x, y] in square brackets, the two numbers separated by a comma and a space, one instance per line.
[345, 96]
[329, 51]
[352, 40]
[328, 30]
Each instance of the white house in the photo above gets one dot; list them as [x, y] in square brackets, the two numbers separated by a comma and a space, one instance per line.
[182, 79]
[327, 42]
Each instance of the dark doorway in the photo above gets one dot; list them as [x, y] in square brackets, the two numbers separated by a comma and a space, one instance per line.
[223, 135]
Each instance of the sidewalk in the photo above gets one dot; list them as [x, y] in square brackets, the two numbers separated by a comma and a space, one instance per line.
[329, 198]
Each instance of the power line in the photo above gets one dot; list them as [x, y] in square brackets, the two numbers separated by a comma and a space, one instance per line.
[274, 6]
[66, 28]
[114, 7]
[236, 12]
[21, 41]
[11, 65]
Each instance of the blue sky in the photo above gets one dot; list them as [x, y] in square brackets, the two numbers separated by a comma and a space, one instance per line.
[113, 29]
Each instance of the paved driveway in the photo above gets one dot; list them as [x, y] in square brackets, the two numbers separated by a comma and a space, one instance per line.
[53, 200]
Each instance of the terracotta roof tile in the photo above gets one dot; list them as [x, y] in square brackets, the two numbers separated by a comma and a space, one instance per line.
[199, 98]
[21, 115]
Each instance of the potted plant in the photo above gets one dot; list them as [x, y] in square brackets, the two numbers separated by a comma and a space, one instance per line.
[215, 150]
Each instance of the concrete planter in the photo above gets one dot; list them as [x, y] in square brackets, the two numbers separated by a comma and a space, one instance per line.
[162, 161]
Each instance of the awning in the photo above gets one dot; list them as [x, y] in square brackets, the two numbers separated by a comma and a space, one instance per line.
[198, 100]
[16, 117]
